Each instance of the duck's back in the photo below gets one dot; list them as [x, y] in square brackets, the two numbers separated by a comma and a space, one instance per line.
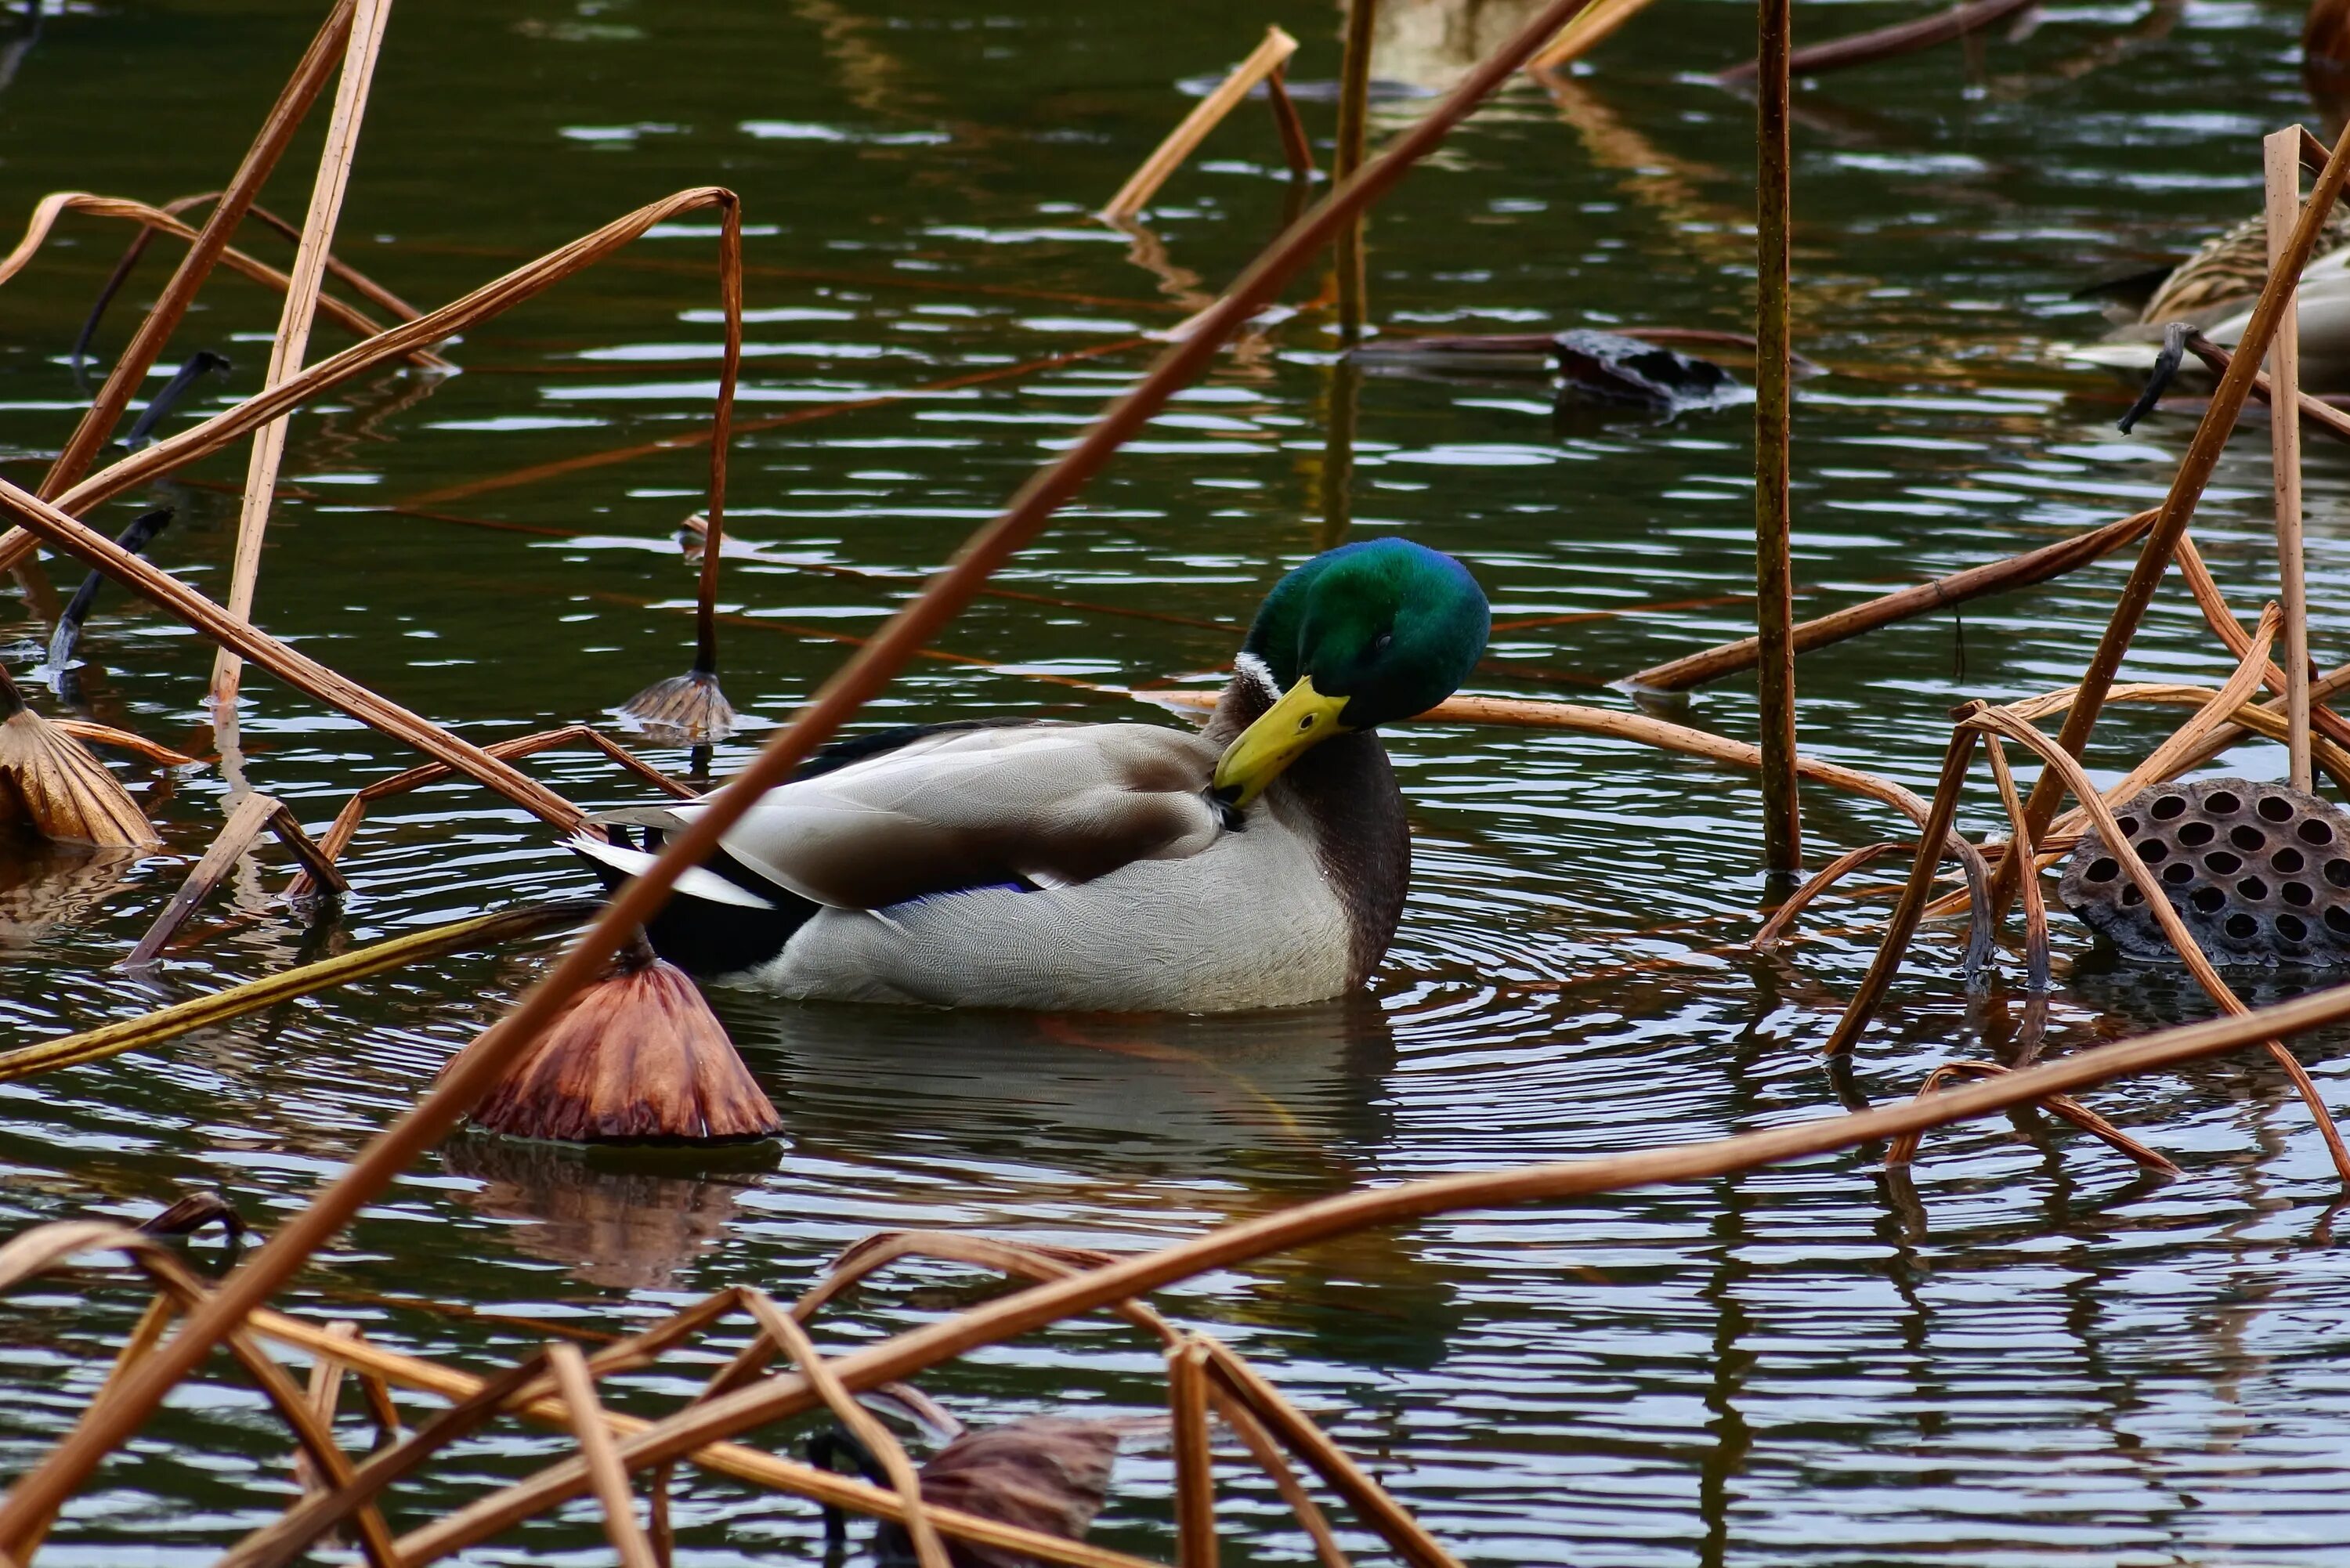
[1297, 904]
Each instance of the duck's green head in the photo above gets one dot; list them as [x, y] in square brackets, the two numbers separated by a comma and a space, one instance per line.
[1359, 636]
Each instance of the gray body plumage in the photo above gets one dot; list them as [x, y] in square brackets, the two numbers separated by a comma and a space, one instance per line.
[1076, 867]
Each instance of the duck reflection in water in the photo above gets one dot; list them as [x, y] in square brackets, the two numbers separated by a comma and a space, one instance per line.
[1145, 1129]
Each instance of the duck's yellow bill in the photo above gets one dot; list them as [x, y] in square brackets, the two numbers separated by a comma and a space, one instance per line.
[1303, 719]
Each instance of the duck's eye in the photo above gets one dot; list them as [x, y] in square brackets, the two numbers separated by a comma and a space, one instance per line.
[1379, 643]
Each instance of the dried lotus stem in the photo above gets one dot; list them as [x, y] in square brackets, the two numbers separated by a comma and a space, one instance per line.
[1346, 156]
[1774, 580]
[252, 815]
[689, 707]
[2195, 471]
[2281, 156]
[779, 1325]
[50, 207]
[1206, 115]
[2035, 906]
[1775, 929]
[152, 1029]
[59, 529]
[1901, 1150]
[324, 1391]
[1942, 593]
[244, 825]
[146, 344]
[1195, 1476]
[293, 339]
[1297, 147]
[611, 1483]
[2222, 622]
[1989, 720]
[1370, 1501]
[1914, 897]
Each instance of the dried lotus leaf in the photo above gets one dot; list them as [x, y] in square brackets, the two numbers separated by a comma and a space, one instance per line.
[57, 787]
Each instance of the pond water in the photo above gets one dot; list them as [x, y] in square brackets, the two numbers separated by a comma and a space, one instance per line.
[2021, 1351]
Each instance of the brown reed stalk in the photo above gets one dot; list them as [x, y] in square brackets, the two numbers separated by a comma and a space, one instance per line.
[347, 822]
[1996, 721]
[1775, 929]
[2170, 758]
[2187, 488]
[1774, 579]
[1036, 1262]
[1901, 1150]
[359, 283]
[493, 297]
[1296, 147]
[2222, 621]
[1887, 43]
[692, 705]
[1206, 115]
[2281, 157]
[698, 1432]
[48, 1246]
[56, 528]
[1268, 1457]
[54, 206]
[1959, 588]
[147, 344]
[2036, 962]
[1585, 33]
[562, 467]
[236, 835]
[611, 1482]
[779, 1325]
[1915, 895]
[527, 1391]
[1195, 1466]
[1346, 157]
[42, 1489]
[149, 1029]
[145, 1334]
[108, 735]
[1393, 1522]
[292, 340]
[2316, 410]
[324, 1391]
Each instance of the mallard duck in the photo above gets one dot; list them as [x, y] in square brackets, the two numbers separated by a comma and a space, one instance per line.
[1259, 861]
[2214, 291]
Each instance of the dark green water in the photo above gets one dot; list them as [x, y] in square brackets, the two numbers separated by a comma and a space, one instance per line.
[2023, 1352]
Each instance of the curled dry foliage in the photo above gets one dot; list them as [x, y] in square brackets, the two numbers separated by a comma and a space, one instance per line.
[701, 1431]
[51, 784]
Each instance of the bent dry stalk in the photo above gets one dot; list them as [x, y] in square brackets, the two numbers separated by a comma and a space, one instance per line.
[292, 340]
[39, 1493]
[910, 1353]
[146, 344]
[1959, 588]
[1775, 582]
[2187, 488]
